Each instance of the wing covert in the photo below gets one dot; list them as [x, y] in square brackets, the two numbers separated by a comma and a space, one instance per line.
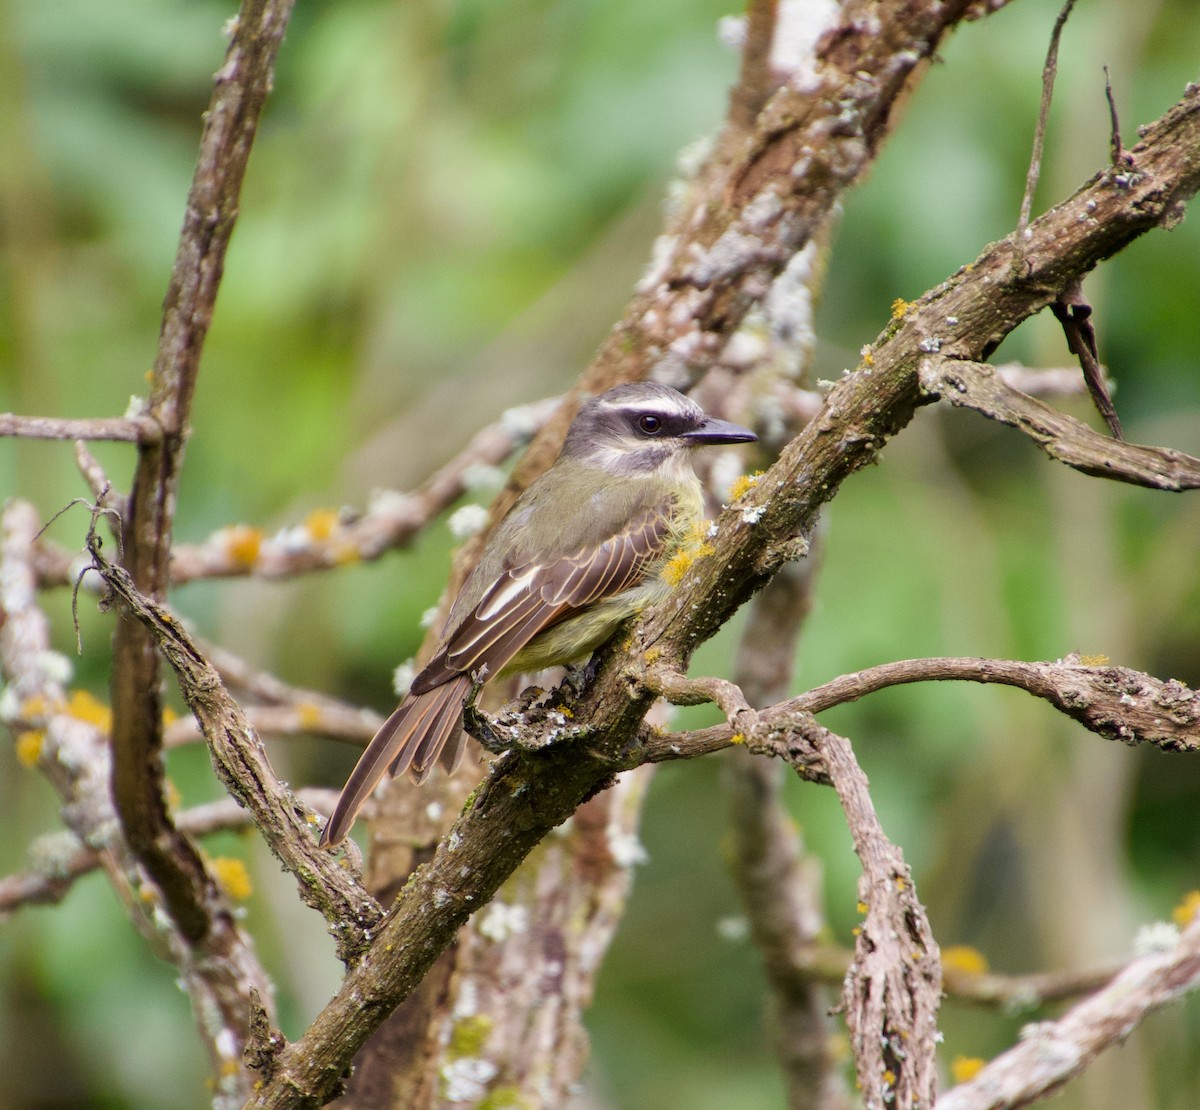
[526, 600]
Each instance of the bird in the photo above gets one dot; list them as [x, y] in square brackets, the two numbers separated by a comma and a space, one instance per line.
[581, 551]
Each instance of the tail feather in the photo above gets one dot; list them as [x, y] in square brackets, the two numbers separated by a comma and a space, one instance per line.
[414, 734]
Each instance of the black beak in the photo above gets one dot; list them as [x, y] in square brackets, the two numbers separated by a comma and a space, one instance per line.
[718, 431]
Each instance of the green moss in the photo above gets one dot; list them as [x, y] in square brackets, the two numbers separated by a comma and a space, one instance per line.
[469, 1036]
[504, 1098]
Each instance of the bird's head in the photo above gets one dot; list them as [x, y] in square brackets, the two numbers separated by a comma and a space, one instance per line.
[643, 429]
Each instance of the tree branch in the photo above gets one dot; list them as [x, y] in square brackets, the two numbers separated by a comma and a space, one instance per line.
[326, 539]
[126, 429]
[61, 858]
[894, 984]
[1053, 1052]
[1114, 702]
[75, 757]
[286, 823]
[241, 85]
[977, 386]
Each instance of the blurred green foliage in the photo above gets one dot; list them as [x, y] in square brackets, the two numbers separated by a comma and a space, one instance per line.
[447, 206]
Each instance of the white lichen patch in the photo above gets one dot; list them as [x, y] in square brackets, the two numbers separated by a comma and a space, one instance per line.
[482, 476]
[54, 666]
[501, 921]
[466, 1080]
[733, 929]
[402, 677]
[1157, 936]
[468, 521]
[387, 502]
[626, 849]
[520, 422]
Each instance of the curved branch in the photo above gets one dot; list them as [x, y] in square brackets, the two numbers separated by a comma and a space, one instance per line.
[977, 386]
[190, 892]
[238, 757]
[1114, 702]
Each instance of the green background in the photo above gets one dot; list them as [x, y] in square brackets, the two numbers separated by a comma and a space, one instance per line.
[447, 207]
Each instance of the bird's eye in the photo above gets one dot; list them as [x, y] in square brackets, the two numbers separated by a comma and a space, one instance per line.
[650, 424]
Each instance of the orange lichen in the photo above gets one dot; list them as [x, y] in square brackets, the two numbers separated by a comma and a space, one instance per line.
[309, 715]
[1188, 908]
[243, 544]
[965, 1068]
[742, 484]
[321, 524]
[29, 747]
[964, 958]
[83, 705]
[231, 873]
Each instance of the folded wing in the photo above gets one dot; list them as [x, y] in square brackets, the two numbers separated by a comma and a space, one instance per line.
[523, 602]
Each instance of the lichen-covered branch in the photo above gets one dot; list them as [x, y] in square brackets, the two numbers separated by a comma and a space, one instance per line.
[779, 883]
[1051, 1053]
[327, 539]
[1114, 702]
[286, 823]
[127, 429]
[241, 85]
[58, 859]
[894, 984]
[977, 386]
[74, 755]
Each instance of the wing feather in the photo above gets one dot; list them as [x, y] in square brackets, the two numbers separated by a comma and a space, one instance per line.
[523, 602]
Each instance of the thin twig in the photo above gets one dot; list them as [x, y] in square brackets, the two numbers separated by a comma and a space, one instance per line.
[1049, 72]
[1074, 313]
[123, 429]
[1120, 156]
[191, 894]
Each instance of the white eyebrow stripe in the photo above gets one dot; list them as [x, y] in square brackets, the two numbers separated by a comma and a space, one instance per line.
[658, 407]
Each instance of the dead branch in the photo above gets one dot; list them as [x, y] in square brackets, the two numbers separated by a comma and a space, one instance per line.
[977, 386]
[59, 859]
[191, 895]
[327, 539]
[780, 884]
[894, 984]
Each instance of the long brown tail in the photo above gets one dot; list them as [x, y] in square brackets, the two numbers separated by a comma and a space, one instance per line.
[411, 739]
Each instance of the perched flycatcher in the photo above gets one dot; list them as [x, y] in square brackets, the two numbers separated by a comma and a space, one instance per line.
[580, 551]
